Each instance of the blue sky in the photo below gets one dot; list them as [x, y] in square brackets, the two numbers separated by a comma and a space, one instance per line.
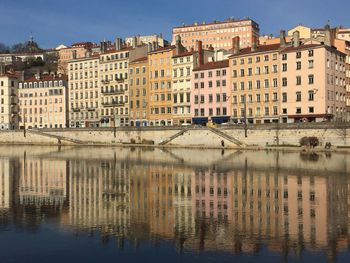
[68, 21]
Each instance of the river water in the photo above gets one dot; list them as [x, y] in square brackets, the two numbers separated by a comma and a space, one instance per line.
[98, 204]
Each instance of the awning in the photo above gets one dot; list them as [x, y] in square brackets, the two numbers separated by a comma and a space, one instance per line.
[220, 119]
[200, 120]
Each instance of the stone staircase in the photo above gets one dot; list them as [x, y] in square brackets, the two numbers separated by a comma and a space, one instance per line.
[173, 137]
[59, 138]
[226, 136]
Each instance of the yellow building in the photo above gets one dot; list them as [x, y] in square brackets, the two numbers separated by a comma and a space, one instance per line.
[84, 92]
[160, 81]
[304, 31]
[139, 92]
[255, 84]
[43, 102]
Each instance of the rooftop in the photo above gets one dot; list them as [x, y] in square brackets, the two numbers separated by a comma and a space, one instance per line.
[45, 78]
[213, 65]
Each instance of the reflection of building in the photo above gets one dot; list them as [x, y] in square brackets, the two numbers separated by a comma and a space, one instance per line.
[43, 182]
[8, 168]
[99, 197]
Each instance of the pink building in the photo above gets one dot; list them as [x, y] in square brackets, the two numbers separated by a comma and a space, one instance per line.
[210, 92]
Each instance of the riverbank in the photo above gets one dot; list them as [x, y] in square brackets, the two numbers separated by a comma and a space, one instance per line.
[262, 137]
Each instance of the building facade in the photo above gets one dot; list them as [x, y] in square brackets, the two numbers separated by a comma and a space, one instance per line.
[8, 101]
[43, 102]
[210, 93]
[139, 92]
[255, 84]
[76, 51]
[217, 34]
[160, 81]
[84, 92]
[313, 83]
[114, 81]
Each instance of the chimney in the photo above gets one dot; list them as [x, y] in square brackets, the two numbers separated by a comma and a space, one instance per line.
[138, 40]
[178, 44]
[134, 42]
[88, 53]
[235, 45]
[118, 43]
[149, 47]
[283, 38]
[74, 54]
[254, 44]
[327, 35]
[154, 45]
[296, 39]
[200, 52]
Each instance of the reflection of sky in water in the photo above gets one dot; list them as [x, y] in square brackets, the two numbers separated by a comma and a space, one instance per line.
[176, 205]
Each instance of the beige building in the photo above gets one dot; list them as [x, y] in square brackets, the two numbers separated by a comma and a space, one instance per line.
[255, 83]
[8, 101]
[217, 34]
[114, 81]
[43, 102]
[139, 92]
[139, 40]
[84, 92]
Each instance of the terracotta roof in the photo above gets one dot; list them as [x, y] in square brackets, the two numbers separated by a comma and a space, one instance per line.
[260, 49]
[45, 78]
[301, 47]
[116, 51]
[213, 65]
[162, 49]
[139, 60]
[184, 54]
[93, 56]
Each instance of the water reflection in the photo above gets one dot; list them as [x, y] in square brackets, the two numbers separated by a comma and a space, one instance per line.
[211, 200]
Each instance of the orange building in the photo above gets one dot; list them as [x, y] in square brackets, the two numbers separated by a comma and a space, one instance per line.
[139, 92]
[160, 102]
[77, 50]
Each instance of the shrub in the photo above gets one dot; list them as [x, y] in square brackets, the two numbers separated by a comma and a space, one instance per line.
[309, 141]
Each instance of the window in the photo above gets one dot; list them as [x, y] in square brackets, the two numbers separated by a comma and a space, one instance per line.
[298, 55]
[284, 56]
[284, 97]
[284, 67]
[311, 79]
[298, 80]
[298, 96]
[311, 53]
[298, 110]
[311, 109]
[284, 82]
[298, 65]
[311, 95]
[311, 63]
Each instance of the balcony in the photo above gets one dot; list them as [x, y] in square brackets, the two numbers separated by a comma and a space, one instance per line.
[113, 104]
[118, 91]
[75, 109]
[13, 94]
[91, 109]
[105, 81]
[119, 80]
